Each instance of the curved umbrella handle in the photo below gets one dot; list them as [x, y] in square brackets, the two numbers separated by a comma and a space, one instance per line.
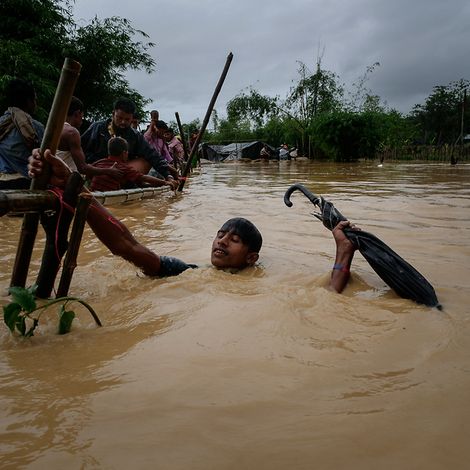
[315, 200]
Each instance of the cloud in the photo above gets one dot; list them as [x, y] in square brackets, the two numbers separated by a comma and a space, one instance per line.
[419, 44]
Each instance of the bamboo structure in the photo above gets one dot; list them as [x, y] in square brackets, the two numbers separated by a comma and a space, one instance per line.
[21, 201]
[183, 138]
[70, 262]
[55, 123]
[205, 122]
[56, 227]
[127, 195]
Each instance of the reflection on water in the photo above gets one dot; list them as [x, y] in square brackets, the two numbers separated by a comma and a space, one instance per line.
[261, 369]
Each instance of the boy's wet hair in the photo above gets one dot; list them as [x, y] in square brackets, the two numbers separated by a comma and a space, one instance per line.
[116, 146]
[246, 230]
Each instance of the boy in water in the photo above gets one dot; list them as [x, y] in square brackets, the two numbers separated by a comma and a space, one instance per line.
[117, 158]
[236, 245]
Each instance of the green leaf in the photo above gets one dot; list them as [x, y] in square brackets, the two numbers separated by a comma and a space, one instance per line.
[10, 315]
[30, 332]
[21, 325]
[65, 320]
[24, 297]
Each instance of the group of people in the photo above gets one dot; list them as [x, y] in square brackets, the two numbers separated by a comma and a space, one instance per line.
[112, 153]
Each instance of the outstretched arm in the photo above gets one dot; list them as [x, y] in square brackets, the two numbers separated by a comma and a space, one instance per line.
[155, 182]
[344, 254]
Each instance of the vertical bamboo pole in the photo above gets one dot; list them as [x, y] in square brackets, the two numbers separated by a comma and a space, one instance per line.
[57, 229]
[183, 137]
[55, 123]
[206, 121]
[70, 262]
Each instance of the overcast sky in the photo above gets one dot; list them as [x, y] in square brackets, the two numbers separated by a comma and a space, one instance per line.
[418, 43]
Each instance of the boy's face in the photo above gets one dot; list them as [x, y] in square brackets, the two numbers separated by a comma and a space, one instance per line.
[228, 251]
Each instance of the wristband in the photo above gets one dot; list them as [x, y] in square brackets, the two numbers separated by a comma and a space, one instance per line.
[341, 268]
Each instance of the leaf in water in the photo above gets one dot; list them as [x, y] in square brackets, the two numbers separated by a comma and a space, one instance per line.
[21, 325]
[10, 314]
[65, 320]
[30, 332]
[24, 297]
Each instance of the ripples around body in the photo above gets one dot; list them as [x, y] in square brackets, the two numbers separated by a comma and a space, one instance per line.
[265, 369]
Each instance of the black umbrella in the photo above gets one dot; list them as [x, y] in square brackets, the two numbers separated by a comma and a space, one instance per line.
[403, 278]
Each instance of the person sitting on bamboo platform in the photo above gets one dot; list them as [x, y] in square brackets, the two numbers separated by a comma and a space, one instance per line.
[70, 148]
[154, 136]
[142, 157]
[175, 146]
[19, 134]
[117, 158]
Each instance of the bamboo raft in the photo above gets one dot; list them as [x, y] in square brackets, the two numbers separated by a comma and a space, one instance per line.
[126, 195]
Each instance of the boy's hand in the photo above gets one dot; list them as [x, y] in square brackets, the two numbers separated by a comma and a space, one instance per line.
[343, 244]
[172, 183]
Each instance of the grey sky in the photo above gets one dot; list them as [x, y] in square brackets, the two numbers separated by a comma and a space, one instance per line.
[419, 44]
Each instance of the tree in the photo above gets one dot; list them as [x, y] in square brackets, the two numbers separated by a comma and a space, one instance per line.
[252, 107]
[106, 49]
[37, 35]
[438, 120]
[31, 45]
[346, 136]
[314, 94]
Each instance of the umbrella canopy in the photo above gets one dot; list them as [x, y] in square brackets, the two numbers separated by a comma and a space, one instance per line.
[403, 278]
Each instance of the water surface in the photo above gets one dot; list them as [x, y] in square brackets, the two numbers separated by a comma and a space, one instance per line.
[265, 369]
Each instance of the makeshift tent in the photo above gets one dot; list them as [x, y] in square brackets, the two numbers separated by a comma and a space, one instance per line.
[234, 151]
[403, 278]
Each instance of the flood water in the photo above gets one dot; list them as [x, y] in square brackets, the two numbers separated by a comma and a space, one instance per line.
[264, 369]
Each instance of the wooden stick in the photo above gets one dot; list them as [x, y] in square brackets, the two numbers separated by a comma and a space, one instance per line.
[205, 122]
[183, 138]
[20, 200]
[55, 123]
[57, 228]
[70, 262]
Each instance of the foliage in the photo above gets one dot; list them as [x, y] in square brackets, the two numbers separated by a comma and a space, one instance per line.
[106, 49]
[37, 35]
[346, 136]
[31, 45]
[314, 94]
[362, 99]
[438, 119]
[18, 314]
[253, 108]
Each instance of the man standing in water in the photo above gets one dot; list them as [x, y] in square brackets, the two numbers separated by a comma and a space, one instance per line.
[236, 245]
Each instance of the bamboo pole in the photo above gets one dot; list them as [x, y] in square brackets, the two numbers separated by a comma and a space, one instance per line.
[20, 200]
[57, 227]
[183, 137]
[205, 122]
[70, 262]
[55, 123]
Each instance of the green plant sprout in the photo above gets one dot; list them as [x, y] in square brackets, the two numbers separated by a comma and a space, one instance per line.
[18, 314]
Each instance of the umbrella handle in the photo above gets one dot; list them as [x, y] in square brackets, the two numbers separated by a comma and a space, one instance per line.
[315, 200]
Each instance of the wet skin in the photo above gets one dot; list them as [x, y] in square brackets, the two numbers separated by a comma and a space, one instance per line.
[229, 251]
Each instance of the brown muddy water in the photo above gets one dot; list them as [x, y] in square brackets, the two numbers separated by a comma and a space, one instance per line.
[265, 369]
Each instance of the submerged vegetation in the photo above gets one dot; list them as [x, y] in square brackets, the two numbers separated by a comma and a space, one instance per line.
[22, 314]
[317, 116]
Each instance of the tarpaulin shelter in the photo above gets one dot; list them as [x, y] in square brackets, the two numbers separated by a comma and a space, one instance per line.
[233, 151]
